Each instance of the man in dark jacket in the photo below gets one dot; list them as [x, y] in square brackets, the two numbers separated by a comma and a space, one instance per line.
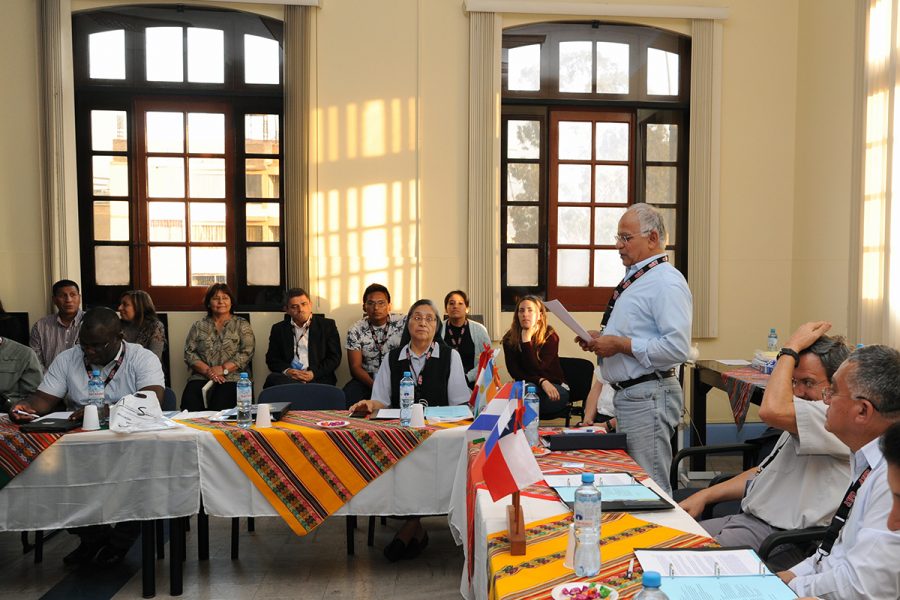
[304, 348]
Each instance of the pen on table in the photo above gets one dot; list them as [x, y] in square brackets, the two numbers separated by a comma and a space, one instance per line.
[630, 572]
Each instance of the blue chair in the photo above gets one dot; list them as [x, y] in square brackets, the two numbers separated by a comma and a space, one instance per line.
[170, 401]
[305, 396]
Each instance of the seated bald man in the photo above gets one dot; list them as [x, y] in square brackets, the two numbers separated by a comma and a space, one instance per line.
[124, 368]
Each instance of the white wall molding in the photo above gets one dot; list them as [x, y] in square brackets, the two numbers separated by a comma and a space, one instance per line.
[593, 8]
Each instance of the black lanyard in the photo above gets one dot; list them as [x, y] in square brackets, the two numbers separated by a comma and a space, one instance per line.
[623, 285]
[451, 339]
[379, 343]
[840, 517]
[112, 372]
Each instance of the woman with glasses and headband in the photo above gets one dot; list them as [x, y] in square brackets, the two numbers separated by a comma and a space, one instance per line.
[531, 351]
[439, 379]
[218, 347]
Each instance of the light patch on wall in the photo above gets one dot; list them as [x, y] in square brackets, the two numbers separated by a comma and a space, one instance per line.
[373, 129]
[374, 205]
[879, 46]
[411, 117]
[352, 129]
[331, 133]
[396, 126]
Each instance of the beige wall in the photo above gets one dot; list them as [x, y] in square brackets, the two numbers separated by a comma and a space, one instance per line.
[389, 166]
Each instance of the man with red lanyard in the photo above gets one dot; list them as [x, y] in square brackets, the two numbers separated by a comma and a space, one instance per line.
[645, 335]
[858, 557]
[125, 369]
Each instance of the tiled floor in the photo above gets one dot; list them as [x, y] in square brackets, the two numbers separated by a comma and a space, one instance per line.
[274, 563]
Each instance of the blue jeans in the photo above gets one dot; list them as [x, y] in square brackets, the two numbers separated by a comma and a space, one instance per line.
[649, 413]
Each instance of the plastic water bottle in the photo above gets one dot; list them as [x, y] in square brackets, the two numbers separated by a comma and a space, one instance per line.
[407, 395]
[587, 552]
[772, 345]
[531, 430]
[96, 392]
[244, 401]
[651, 591]
[588, 510]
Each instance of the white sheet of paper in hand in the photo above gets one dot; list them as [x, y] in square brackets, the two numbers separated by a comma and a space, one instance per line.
[556, 307]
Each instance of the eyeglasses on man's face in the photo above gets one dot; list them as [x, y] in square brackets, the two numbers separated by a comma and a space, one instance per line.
[94, 348]
[376, 303]
[624, 238]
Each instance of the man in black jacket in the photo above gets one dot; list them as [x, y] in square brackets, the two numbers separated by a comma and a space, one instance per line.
[304, 348]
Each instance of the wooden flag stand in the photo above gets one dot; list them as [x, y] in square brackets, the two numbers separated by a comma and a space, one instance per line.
[516, 526]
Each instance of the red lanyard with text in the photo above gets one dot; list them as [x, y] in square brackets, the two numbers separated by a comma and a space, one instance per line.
[623, 285]
[113, 371]
[417, 377]
[840, 517]
[451, 339]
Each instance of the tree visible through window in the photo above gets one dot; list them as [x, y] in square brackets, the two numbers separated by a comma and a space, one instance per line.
[178, 126]
[594, 119]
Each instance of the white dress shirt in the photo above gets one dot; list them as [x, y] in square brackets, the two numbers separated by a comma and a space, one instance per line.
[863, 564]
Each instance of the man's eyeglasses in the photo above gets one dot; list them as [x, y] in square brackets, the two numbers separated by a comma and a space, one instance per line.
[426, 318]
[624, 238]
[94, 348]
[376, 303]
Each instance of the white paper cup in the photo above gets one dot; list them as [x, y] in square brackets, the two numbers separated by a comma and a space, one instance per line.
[263, 415]
[91, 420]
[418, 416]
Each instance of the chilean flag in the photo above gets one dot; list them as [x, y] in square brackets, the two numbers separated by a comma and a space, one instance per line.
[509, 465]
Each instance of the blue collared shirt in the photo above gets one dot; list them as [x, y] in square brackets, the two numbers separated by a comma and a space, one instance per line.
[655, 313]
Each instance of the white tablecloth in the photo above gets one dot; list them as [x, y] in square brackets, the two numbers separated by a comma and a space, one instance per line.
[490, 517]
[101, 477]
[421, 483]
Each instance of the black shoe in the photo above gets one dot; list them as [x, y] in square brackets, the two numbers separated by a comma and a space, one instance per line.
[84, 553]
[415, 547]
[395, 550]
[110, 556]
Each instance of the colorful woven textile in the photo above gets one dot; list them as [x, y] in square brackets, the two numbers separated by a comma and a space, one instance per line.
[18, 449]
[308, 472]
[541, 569]
[740, 385]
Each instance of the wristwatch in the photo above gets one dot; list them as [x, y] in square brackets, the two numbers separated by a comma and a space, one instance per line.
[225, 371]
[789, 352]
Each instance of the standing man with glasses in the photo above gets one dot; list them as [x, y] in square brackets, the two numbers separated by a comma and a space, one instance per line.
[645, 336]
[859, 555]
[303, 348]
[801, 482]
[369, 340]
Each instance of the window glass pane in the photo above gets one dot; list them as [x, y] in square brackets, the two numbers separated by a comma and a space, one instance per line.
[208, 266]
[165, 177]
[261, 134]
[573, 267]
[206, 55]
[612, 141]
[207, 221]
[165, 49]
[263, 222]
[612, 68]
[611, 183]
[168, 266]
[111, 265]
[207, 177]
[575, 67]
[523, 139]
[606, 225]
[522, 266]
[662, 72]
[574, 183]
[661, 185]
[524, 68]
[575, 140]
[166, 221]
[111, 221]
[522, 180]
[608, 269]
[110, 176]
[261, 60]
[668, 215]
[662, 142]
[109, 130]
[263, 266]
[522, 224]
[206, 133]
[106, 54]
[261, 177]
[573, 225]
[165, 132]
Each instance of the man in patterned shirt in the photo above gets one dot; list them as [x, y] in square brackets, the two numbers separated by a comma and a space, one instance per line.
[369, 340]
[57, 332]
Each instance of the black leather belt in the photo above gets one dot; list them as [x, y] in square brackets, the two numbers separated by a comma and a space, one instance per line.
[657, 375]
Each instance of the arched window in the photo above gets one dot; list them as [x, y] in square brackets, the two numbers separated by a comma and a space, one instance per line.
[178, 132]
[594, 118]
